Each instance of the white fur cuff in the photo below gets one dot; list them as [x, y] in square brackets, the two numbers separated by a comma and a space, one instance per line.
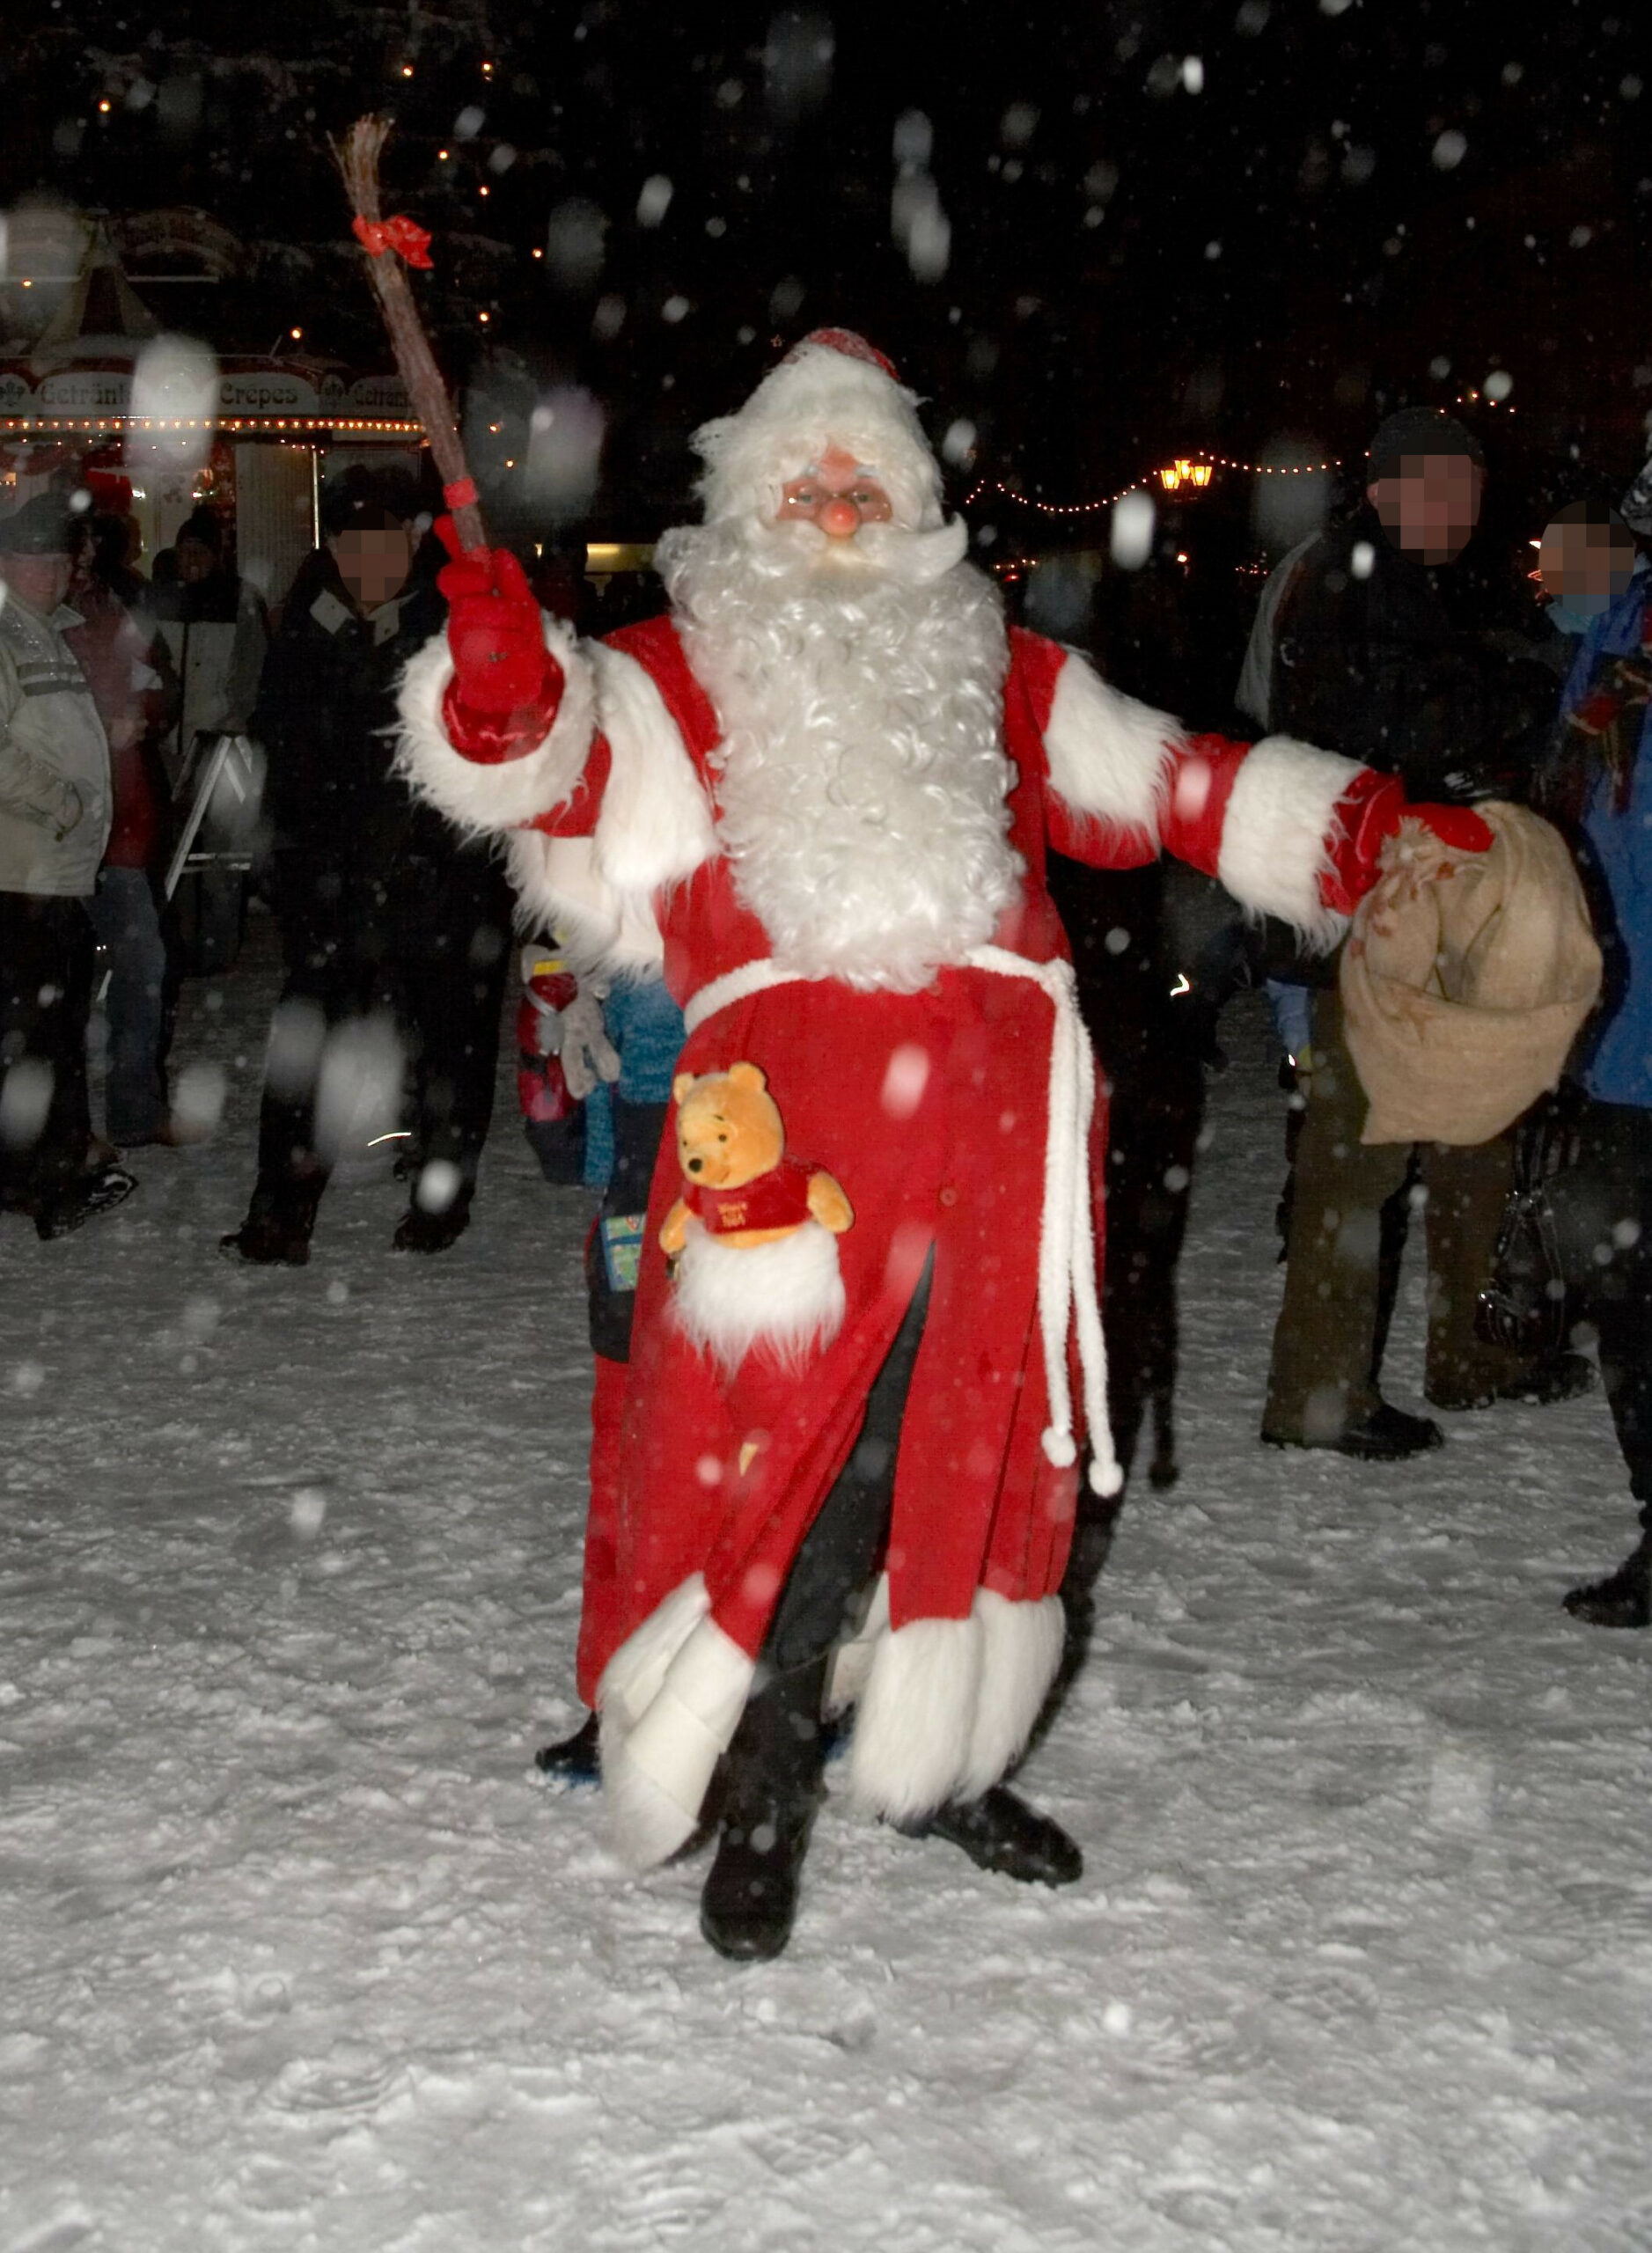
[1277, 832]
[1109, 756]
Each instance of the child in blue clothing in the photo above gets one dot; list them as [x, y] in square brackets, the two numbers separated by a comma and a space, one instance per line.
[625, 1119]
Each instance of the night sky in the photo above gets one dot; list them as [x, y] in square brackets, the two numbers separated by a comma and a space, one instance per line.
[1094, 236]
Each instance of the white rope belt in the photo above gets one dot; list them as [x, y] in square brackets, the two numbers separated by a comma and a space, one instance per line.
[1067, 1243]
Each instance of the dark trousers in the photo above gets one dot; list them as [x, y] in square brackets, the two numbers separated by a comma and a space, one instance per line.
[127, 919]
[779, 1734]
[47, 955]
[1347, 1226]
[1603, 1212]
[351, 949]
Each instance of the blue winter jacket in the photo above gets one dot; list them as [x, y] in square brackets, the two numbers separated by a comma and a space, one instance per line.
[1618, 1069]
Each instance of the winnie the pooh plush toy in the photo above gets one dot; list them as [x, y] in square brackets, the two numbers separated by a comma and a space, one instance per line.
[753, 1235]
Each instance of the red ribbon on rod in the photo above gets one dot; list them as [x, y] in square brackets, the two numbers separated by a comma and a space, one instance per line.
[401, 234]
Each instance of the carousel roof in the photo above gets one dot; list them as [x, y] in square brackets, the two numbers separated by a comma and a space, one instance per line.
[101, 314]
[80, 375]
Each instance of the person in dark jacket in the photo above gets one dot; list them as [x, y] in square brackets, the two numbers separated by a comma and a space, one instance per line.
[1599, 791]
[1369, 659]
[384, 915]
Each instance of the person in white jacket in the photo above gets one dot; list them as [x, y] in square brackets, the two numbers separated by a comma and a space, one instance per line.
[55, 813]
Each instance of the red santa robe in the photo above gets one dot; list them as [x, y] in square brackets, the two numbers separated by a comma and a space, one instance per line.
[934, 1110]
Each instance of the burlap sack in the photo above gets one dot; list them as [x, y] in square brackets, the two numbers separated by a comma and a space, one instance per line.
[1465, 979]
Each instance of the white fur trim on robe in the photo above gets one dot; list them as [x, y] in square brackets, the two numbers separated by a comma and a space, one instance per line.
[482, 799]
[946, 1705]
[1109, 757]
[655, 828]
[559, 887]
[787, 1296]
[1277, 832]
[655, 824]
[671, 1698]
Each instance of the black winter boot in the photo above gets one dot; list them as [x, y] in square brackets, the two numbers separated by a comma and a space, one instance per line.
[418, 1231]
[1624, 1599]
[269, 1241]
[771, 1790]
[81, 1200]
[276, 1231]
[1387, 1434]
[749, 1902]
[574, 1759]
[1000, 1831]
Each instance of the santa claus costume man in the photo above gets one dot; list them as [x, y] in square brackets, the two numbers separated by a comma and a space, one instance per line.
[818, 794]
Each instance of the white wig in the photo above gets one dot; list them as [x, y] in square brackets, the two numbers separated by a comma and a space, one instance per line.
[832, 389]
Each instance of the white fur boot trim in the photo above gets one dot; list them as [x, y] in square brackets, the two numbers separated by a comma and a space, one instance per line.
[787, 1295]
[948, 1705]
[1022, 1649]
[660, 1744]
[916, 1718]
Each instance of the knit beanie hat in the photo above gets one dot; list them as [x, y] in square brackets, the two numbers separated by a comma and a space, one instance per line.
[1418, 431]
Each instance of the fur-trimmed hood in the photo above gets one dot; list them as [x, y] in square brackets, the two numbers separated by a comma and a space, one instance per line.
[823, 393]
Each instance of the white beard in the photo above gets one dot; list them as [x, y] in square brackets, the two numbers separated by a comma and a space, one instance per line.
[862, 777]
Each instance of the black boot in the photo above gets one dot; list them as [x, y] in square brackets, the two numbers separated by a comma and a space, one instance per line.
[1624, 1599]
[1000, 1831]
[418, 1231]
[80, 1199]
[772, 1788]
[749, 1902]
[573, 1759]
[276, 1231]
[1387, 1434]
[271, 1240]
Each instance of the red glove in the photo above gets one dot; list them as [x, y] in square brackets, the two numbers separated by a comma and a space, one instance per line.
[506, 686]
[1368, 813]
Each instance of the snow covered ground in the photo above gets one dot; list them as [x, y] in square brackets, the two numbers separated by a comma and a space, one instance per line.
[297, 1952]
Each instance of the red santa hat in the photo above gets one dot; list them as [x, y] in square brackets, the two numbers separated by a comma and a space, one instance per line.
[832, 389]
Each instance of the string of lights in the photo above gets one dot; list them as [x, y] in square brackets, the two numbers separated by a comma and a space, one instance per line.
[26, 425]
[1185, 470]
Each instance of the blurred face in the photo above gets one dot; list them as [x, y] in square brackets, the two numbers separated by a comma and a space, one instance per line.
[195, 560]
[374, 565]
[837, 493]
[39, 581]
[1431, 505]
[1586, 567]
